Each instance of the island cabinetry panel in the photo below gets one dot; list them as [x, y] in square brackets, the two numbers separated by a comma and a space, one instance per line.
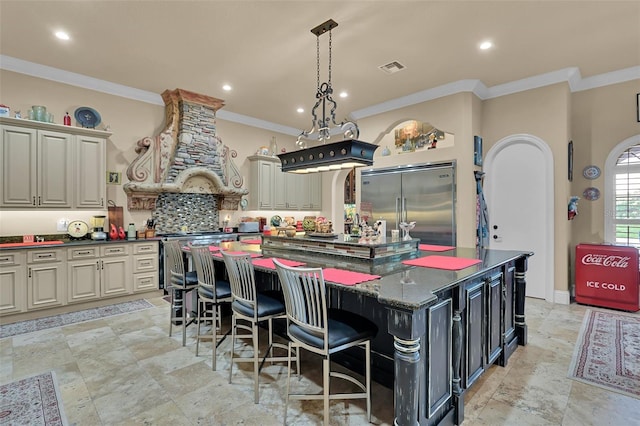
[145, 266]
[13, 282]
[46, 165]
[271, 189]
[115, 270]
[484, 324]
[46, 279]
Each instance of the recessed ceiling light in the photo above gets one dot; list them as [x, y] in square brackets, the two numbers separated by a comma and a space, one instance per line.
[486, 45]
[226, 87]
[343, 94]
[62, 35]
[300, 110]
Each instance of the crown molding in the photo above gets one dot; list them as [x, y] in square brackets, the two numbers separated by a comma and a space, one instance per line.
[571, 76]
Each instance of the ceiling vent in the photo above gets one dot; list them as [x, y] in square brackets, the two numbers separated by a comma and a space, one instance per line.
[392, 67]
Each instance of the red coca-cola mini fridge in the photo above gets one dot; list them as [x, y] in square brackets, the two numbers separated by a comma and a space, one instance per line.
[607, 276]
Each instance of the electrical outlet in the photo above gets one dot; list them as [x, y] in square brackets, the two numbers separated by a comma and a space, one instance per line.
[62, 224]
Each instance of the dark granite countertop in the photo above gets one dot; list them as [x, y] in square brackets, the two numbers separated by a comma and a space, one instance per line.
[400, 285]
[71, 243]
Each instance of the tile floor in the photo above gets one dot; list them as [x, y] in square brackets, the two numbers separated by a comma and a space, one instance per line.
[125, 370]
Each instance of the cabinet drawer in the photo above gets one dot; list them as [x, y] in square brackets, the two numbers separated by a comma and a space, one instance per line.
[142, 282]
[145, 264]
[115, 250]
[11, 258]
[82, 253]
[141, 248]
[42, 256]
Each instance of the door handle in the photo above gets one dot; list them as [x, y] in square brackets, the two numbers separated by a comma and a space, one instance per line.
[398, 220]
[404, 209]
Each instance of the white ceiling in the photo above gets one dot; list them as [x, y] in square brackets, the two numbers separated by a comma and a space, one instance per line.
[266, 51]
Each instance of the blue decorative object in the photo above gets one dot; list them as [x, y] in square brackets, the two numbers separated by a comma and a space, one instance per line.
[87, 117]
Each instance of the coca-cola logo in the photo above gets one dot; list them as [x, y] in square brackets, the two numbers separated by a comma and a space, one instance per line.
[606, 260]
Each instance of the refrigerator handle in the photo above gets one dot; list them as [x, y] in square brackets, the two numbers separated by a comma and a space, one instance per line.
[398, 213]
[404, 209]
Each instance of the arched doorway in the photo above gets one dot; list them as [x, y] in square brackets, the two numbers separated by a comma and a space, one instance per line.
[519, 190]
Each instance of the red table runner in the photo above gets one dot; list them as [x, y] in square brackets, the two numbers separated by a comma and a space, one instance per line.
[341, 276]
[442, 262]
[238, 252]
[268, 263]
[429, 247]
[258, 241]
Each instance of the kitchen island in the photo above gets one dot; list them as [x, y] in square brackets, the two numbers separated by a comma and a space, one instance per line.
[439, 329]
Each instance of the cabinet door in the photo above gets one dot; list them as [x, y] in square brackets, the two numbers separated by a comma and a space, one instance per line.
[55, 169]
[115, 276]
[494, 320]
[18, 167]
[46, 285]
[311, 192]
[262, 184]
[475, 342]
[13, 282]
[286, 190]
[90, 172]
[83, 278]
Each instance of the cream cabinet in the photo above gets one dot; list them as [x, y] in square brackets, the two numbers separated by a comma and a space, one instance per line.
[36, 168]
[83, 273]
[13, 282]
[271, 189]
[90, 172]
[98, 271]
[262, 183]
[115, 270]
[46, 278]
[47, 165]
[145, 266]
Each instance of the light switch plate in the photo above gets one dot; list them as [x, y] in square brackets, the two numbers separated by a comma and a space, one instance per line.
[62, 224]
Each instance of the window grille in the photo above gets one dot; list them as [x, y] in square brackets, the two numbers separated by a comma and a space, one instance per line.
[627, 198]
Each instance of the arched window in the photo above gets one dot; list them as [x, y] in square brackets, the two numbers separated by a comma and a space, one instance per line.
[622, 209]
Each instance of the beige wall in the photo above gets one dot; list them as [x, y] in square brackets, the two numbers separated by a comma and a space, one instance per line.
[601, 119]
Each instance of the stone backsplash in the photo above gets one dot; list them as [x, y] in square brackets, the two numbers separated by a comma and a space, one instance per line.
[186, 213]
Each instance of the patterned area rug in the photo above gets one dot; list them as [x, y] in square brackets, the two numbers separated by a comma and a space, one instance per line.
[607, 353]
[8, 330]
[32, 401]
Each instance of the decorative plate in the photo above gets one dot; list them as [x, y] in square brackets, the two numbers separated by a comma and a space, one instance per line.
[276, 220]
[591, 193]
[87, 117]
[591, 172]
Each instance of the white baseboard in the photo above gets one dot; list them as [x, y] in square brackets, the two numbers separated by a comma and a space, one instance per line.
[561, 297]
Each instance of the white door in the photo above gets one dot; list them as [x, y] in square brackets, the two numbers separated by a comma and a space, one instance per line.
[518, 187]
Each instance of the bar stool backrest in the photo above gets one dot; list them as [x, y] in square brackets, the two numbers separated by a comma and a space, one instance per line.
[241, 278]
[305, 299]
[176, 262]
[205, 268]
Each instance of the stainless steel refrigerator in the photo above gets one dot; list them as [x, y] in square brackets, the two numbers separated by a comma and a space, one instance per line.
[423, 193]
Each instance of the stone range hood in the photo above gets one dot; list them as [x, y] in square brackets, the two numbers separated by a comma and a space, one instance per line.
[186, 157]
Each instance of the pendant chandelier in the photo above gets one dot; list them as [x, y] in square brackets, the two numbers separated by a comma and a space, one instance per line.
[344, 154]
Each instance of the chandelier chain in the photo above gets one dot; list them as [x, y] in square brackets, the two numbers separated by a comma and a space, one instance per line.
[329, 80]
[318, 63]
